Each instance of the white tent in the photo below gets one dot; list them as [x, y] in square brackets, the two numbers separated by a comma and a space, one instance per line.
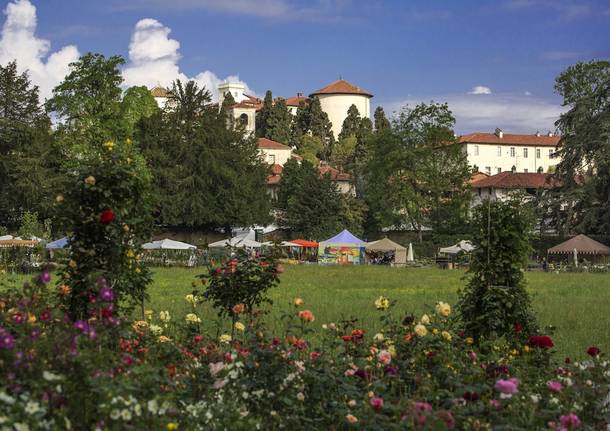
[242, 241]
[462, 246]
[168, 244]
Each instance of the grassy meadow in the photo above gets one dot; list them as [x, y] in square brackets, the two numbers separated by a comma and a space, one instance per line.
[576, 304]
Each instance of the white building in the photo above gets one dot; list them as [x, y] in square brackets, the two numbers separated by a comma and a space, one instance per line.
[244, 110]
[493, 153]
[337, 97]
[160, 95]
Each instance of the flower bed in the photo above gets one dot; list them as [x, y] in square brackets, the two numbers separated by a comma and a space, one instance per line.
[164, 372]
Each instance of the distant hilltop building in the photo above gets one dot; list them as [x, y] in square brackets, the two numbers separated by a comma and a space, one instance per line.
[494, 153]
[335, 99]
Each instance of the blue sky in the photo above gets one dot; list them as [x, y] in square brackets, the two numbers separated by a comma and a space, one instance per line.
[509, 52]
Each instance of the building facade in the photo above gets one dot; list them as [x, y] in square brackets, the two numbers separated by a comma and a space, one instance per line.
[493, 153]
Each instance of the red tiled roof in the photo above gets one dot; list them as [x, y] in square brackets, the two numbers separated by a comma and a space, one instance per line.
[294, 101]
[517, 180]
[476, 177]
[341, 86]
[276, 169]
[335, 174]
[510, 139]
[268, 144]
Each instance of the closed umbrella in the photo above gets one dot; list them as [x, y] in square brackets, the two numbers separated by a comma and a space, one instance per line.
[410, 257]
[575, 258]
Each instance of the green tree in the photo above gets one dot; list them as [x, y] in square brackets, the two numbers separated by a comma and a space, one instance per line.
[88, 103]
[28, 160]
[31, 226]
[300, 125]
[381, 122]
[311, 149]
[262, 117]
[351, 124]
[320, 126]
[137, 103]
[343, 152]
[279, 123]
[414, 176]
[583, 203]
[207, 175]
[308, 205]
[495, 299]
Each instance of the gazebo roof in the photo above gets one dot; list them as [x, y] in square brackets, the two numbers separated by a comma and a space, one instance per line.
[384, 244]
[583, 245]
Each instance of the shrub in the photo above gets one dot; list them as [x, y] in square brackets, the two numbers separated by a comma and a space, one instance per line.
[495, 299]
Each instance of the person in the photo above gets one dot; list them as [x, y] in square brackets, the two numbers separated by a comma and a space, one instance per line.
[545, 264]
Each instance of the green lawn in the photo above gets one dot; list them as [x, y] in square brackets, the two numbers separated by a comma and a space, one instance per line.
[578, 305]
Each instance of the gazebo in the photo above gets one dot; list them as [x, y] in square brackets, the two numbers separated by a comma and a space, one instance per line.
[386, 250]
[580, 246]
[343, 248]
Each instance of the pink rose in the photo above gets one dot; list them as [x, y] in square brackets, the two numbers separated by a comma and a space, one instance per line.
[377, 403]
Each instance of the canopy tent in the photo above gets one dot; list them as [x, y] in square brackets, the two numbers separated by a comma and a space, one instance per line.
[580, 245]
[168, 244]
[242, 241]
[305, 243]
[58, 243]
[343, 248]
[462, 246]
[386, 245]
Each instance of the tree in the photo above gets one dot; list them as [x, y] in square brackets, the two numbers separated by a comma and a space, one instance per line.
[311, 149]
[343, 152]
[279, 123]
[381, 122]
[320, 126]
[584, 200]
[137, 103]
[262, 117]
[414, 176]
[207, 175]
[88, 103]
[351, 124]
[28, 162]
[495, 299]
[308, 205]
[300, 125]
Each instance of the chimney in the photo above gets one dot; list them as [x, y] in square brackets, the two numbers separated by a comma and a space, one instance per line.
[499, 133]
[537, 132]
[299, 94]
[550, 134]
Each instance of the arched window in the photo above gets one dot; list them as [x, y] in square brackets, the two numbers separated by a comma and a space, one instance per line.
[243, 119]
[540, 170]
[513, 169]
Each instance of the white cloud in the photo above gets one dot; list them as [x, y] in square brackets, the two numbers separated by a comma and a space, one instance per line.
[510, 112]
[480, 89]
[19, 42]
[527, 93]
[154, 56]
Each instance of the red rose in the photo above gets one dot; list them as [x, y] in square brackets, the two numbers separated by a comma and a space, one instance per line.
[542, 341]
[106, 216]
[593, 351]
[198, 338]
[517, 327]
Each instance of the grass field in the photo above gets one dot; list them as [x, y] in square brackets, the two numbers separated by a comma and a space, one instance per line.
[577, 304]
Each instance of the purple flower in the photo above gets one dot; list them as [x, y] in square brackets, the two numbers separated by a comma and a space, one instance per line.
[106, 294]
[81, 325]
[569, 422]
[45, 316]
[391, 370]
[92, 333]
[45, 277]
[422, 406]
[361, 373]
[554, 386]
[7, 341]
[507, 387]
[35, 333]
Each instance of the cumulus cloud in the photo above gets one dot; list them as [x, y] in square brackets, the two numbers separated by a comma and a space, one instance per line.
[18, 41]
[480, 89]
[154, 56]
[516, 113]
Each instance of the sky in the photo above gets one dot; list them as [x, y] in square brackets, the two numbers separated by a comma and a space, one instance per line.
[493, 62]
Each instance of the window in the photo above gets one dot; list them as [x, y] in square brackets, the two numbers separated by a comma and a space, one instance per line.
[272, 159]
[499, 149]
[540, 170]
[525, 153]
[476, 150]
[512, 151]
[499, 170]
[488, 170]
[525, 170]
[513, 169]
[243, 119]
[537, 153]
[551, 153]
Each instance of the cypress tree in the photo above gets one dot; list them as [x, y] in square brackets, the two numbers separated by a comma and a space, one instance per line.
[381, 122]
[262, 118]
[351, 124]
[279, 124]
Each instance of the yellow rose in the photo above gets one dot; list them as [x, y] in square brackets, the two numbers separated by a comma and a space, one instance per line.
[191, 299]
[240, 326]
[298, 302]
[469, 340]
[351, 419]
[526, 348]
[446, 335]
[72, 264]
[435, 331]
[443, 309]
[164, 316]
[425, 320]
[421, 330]
[108, 146]
[225, 338]
[90, 180]
[59, 198]
[382, 303]
[172, 426]
[192, 318]
[163, 339]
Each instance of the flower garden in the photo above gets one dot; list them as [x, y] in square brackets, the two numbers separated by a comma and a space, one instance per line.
[73, 356]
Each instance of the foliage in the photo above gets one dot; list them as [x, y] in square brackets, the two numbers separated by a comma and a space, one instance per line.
[308, 205]
[206, 175]
[137, 103]
[28, 160]
[343, 151]
[351, 124]
[495, 300]
[262, 117]
[584, 200]
[381, 122]
[311, 149]
[31, 226]
[279, 123]
[413, 175]
[320, 126]
[300, 125]
[106, 213]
